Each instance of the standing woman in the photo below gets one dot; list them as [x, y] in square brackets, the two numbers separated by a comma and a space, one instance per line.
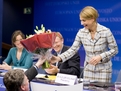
[99, 45]
[18, 55]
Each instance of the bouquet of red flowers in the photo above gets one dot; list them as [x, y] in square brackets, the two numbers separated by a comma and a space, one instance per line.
[40, 44]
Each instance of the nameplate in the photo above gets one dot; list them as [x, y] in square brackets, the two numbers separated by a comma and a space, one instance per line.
[66, 79]
[20, 68]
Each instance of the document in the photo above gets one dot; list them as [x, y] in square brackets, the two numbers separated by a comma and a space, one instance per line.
[47, 77]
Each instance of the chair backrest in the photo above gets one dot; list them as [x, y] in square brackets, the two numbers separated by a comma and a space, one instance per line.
[81, 71]
[119, 77]
[2, 59]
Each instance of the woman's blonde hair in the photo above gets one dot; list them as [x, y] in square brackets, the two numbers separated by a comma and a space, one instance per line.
[89, 12]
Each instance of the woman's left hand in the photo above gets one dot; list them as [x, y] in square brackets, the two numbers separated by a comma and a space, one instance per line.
[95, 60]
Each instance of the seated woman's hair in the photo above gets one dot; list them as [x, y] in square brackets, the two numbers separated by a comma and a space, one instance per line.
[15, 34]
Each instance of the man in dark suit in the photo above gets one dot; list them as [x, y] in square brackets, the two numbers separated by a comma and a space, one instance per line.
[17, 80]
[71, 66]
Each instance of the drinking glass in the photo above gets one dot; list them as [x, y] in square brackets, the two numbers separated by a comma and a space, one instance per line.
[117, 86]
[86, 83]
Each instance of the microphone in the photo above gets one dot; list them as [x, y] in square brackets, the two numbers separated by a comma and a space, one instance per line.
[82, 73]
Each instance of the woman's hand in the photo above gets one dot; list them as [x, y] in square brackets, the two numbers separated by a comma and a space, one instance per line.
[55, 59]
[5, 66]
[95, 60]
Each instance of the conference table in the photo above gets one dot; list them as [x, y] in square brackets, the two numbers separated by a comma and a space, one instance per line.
[42, 85]
[2, 87]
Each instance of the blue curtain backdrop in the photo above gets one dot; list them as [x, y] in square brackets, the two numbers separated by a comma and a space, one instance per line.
[1, 13]
[63, 16]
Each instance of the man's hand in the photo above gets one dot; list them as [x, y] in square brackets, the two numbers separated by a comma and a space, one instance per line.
[95, 60]
[55, 59]
[52, 69]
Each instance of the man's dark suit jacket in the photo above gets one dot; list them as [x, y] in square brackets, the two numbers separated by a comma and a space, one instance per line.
[31, 73]
[71, 66]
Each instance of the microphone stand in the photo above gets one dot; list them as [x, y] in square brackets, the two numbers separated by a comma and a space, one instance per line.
[82, 73]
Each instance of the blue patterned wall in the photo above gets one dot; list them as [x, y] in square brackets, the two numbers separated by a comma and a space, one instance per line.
[63, 16]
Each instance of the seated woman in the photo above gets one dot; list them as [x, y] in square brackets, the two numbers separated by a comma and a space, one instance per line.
[18, 56]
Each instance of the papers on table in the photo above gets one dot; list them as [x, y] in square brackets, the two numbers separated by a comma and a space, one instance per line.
[47, 77]
[2, 72]
[20, 68]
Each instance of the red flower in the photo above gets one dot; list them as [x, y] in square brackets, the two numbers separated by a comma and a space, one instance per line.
[43, 40]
